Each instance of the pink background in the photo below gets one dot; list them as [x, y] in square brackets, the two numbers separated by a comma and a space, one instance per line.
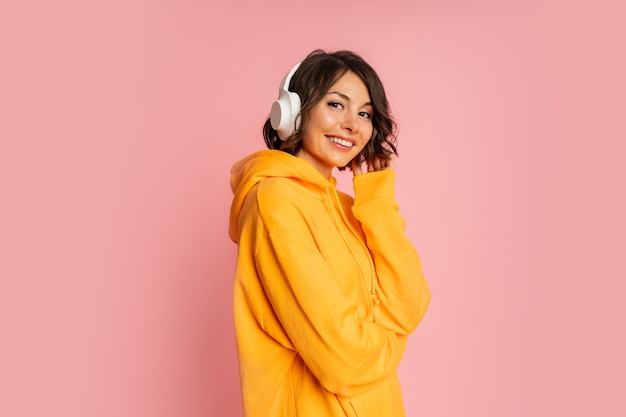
[119, 122]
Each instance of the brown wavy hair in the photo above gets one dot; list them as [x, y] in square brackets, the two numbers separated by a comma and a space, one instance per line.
[312, 81]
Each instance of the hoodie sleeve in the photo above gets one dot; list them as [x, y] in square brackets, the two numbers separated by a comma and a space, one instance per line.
[347, 354]
[402, 289]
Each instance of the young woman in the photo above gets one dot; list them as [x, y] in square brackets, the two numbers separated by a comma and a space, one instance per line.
[327, 287]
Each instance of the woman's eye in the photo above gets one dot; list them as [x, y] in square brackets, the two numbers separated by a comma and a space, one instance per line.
[335, 105]
[365, 114]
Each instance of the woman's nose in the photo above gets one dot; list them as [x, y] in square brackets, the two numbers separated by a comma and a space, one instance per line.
[350, 122]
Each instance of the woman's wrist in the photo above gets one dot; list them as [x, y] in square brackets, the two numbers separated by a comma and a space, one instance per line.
[374, 185]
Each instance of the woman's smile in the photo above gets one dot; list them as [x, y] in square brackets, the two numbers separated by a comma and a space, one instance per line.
[342, 142]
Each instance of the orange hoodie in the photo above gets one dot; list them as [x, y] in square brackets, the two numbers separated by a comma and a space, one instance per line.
[326, 290]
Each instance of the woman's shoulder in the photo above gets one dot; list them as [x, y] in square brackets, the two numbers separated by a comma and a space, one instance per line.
[275, 187]
[282, 204]
[277, 193]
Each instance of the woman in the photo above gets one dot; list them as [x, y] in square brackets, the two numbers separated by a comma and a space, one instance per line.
[327, 287]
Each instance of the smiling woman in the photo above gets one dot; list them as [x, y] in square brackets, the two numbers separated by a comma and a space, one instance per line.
[339, 126]
[312, 81]
[327, 287]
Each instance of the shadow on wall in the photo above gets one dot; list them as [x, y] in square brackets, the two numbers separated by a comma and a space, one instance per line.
[169, 306]
[223, 384]
[209, 263]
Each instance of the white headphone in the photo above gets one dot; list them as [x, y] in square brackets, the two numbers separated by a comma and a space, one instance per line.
[285, 111]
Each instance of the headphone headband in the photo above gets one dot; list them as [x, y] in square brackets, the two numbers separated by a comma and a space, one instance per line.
[284, 85]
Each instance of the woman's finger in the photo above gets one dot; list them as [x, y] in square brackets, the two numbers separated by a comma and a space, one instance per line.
[391, 162]
[378, 164]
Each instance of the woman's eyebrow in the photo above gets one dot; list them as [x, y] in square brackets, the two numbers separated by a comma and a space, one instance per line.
[346, 97]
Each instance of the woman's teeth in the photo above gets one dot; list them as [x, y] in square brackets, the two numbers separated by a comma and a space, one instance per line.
[341, 142]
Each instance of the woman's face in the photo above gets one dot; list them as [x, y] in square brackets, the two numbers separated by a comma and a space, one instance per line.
[339, 126]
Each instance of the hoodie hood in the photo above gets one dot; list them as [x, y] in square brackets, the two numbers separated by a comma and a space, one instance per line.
[248, 172]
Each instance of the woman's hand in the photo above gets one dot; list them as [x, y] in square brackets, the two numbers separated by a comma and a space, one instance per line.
[376, 165]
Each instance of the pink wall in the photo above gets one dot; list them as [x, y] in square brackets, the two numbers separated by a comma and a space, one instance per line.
[119, 123]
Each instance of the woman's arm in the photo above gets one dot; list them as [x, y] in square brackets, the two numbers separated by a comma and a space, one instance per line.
[402, 289]
[345, 352]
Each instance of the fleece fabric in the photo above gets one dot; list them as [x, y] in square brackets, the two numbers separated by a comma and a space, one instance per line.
[327, 289]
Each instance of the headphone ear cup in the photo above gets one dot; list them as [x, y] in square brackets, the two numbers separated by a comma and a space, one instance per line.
[284, 115]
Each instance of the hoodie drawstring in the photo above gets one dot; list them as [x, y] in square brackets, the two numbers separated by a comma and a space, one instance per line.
[334, 200]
